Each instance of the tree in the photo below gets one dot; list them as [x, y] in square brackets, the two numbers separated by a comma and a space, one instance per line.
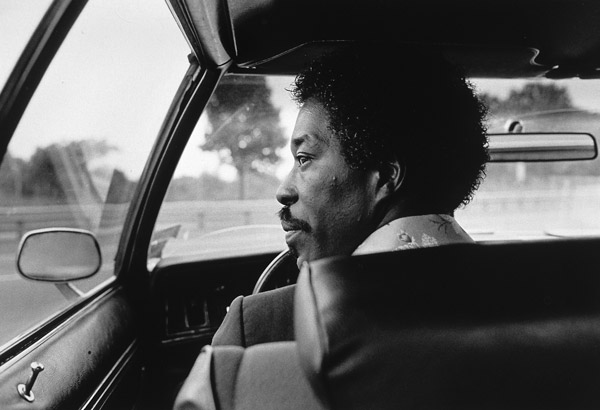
[533, 97]
[11, 179]
[245, 126]
[532, 104]
[55, 174]
[59, 172]
[41, 179]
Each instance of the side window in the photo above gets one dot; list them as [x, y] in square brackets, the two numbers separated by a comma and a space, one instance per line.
[221, 200]
[81, 145]
[17, 23]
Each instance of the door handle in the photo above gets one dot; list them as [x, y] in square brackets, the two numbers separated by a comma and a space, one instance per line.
[25, 390]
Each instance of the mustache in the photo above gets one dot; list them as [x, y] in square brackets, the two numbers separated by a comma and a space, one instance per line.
[285, 215]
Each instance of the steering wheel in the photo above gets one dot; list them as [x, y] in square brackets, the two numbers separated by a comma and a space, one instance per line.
[282, 271]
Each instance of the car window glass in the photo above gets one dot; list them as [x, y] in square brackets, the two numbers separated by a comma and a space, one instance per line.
[81, 145]
[18, 19]
[221, 200]
[210, 213]
[538, 199]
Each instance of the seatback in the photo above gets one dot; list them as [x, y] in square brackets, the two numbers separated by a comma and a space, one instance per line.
[466, 326]
[456, 327]
[261, 377]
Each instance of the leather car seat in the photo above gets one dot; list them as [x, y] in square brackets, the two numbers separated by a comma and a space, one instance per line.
[461, 326]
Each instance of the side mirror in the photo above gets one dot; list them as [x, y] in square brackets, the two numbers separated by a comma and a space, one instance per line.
[59, 255]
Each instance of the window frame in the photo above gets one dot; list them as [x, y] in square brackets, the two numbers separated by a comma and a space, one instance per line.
[33, 63]
[196, 86]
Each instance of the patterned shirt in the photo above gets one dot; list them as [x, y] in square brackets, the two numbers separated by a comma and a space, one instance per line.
[414, 232]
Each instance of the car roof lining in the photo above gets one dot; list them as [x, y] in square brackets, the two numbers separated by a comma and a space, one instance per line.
[509, 38]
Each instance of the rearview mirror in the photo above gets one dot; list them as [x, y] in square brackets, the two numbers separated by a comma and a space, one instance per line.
[529, 147]
[59, 255]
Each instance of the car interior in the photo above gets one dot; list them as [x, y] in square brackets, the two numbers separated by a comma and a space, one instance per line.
[498, 324]
[439, 335]
[503, 332]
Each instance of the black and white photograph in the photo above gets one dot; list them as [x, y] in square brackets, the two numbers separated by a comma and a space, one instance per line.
[299, 205]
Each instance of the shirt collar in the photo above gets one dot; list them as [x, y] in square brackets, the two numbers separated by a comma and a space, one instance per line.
[414, 232]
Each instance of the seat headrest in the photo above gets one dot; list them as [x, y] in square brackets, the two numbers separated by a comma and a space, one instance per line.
[457, 326]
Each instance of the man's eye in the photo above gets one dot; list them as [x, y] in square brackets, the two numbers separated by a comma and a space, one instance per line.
[302, 159]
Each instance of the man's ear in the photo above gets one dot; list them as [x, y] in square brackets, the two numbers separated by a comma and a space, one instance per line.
[391, 176]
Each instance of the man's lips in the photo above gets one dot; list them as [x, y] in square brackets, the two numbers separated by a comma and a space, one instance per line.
[289, 235]
[290, 226]
[291, 230]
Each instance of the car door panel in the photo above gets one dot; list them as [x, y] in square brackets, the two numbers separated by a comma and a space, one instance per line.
[90, 346]
[77, 356]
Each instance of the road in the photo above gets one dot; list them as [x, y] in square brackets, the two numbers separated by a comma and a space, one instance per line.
[25, 303]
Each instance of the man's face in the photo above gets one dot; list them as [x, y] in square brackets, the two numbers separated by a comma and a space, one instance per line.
[328, 206]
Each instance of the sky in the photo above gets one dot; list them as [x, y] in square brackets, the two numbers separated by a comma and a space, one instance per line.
[18, 19]
[114, 57]
[113, 79]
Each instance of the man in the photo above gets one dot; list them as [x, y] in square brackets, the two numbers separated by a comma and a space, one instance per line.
[383, 157]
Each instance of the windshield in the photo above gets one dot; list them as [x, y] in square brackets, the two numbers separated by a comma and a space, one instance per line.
[221, 201]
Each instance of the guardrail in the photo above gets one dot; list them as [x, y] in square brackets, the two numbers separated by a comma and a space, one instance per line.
[207, 216]
[15, 221]
[199, 216]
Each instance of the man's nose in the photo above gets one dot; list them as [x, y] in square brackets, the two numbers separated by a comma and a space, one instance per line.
[287, 193]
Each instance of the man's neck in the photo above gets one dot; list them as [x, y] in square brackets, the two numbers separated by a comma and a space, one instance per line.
[405, 209]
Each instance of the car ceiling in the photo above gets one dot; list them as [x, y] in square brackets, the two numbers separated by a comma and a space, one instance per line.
[510, 38]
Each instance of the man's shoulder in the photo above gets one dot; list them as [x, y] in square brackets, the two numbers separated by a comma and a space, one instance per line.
[259, 318]
[270, 297]
[275, 306]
